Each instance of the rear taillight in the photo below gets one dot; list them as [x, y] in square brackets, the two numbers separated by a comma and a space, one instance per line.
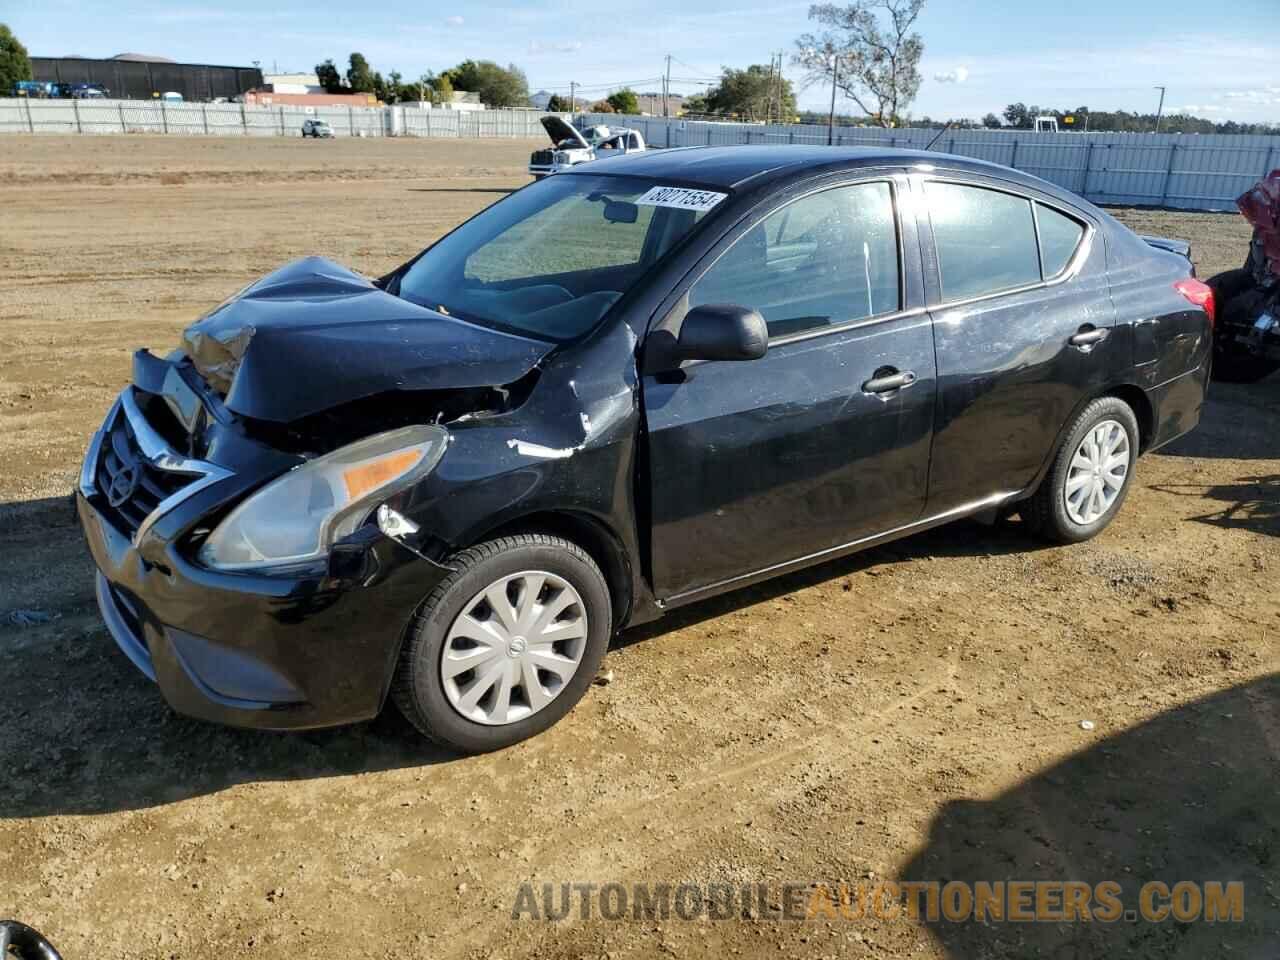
[1199, 293]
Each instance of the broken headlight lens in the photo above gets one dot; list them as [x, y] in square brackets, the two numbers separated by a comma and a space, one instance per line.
[296, 518]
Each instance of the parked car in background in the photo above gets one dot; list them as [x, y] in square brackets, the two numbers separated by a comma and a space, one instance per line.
[572, 146]
[634, 385]
[316, 128]
[171, 96]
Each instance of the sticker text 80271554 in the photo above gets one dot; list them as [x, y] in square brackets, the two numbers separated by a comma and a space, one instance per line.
[682, 198]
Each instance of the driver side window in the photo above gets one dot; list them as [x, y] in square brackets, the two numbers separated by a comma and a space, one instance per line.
[822, 260]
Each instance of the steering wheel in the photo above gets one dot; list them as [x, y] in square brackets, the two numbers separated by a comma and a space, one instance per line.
[24, 942]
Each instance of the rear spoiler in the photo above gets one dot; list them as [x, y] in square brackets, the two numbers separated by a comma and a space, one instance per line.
[1180, 247]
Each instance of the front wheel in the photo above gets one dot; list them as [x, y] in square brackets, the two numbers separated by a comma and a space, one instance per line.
[1090, 476]
[506, 644]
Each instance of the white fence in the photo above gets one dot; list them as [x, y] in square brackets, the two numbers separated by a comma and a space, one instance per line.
[22, 115]
[1165, 170]
[1201, 172]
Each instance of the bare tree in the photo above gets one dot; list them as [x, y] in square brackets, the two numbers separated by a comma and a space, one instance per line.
[875, 64]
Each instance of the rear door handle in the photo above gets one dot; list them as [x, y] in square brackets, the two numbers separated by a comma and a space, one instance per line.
[886, 382]
[1089, 338]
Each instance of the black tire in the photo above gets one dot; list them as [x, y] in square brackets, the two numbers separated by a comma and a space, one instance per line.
[418, 688]
[1046, 511]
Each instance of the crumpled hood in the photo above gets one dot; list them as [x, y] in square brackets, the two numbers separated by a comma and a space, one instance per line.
[314, 335]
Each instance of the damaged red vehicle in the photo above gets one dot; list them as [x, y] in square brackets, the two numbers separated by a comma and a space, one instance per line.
[1247, 337]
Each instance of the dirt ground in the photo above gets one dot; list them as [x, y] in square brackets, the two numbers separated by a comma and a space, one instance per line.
[913, 712]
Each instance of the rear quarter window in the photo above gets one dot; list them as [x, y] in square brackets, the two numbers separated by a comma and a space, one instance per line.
[1060, 237]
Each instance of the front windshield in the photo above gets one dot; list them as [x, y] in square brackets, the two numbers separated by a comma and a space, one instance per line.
[550, 260]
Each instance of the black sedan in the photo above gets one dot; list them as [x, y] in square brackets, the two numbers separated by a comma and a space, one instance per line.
[622, 389]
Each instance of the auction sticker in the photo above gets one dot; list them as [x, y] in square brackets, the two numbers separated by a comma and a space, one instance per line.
[681, 198]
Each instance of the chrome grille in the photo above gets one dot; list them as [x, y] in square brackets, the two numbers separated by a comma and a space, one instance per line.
[134, 476]
[130, 484]
[542, 157]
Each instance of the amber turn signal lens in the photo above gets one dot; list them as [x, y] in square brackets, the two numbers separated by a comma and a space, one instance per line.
[369, 476]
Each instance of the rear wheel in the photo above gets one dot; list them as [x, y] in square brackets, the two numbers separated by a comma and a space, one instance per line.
[506, 644]
[1090, 476]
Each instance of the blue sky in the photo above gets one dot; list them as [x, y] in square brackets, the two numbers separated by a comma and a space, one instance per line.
[1220, 61]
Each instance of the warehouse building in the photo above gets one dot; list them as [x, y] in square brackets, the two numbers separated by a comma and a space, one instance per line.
[136, 76]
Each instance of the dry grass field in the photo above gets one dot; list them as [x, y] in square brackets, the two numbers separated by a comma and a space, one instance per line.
[913, 712]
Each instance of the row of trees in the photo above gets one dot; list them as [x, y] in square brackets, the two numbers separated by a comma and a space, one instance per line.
[497, 86]
[756, 93]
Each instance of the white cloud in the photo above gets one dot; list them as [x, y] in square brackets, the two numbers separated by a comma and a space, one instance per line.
[454, 21]
[958, 75]
[1261, 95]
[567, 46]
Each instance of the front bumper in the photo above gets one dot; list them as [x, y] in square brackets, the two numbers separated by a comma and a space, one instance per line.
[249, 650]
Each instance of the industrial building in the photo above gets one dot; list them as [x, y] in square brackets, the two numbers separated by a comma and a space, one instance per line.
[134, 76]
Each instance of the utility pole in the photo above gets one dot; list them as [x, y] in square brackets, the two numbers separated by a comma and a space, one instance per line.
[573, 102]
[666, 89]
[1159, 109]
[835, 78]
[781, 118]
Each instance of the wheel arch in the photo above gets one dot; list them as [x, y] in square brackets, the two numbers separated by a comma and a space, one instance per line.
[1131, 394]
[588, 532]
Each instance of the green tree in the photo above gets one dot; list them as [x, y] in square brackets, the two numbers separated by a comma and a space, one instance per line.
[559, 104]
[624, 101]
[991, 121]
[869, 52]
[756, 93]
[695, 104]
[15, 65]
[497, 86]
[441, 90]
[1018, 116]
[602, 106]
[329, 78]
[359, 76]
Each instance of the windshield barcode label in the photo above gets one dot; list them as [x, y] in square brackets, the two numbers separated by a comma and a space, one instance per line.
[681, 198]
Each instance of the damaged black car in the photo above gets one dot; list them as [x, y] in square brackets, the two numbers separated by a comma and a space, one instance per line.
[621, 389]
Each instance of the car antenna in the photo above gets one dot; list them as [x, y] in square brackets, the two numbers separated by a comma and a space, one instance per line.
[939, 135]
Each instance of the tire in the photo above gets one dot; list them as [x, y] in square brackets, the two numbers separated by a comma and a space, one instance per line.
[1048, 512]
[435, 705]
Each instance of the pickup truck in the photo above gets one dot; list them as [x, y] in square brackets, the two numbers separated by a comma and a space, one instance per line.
[572, 146]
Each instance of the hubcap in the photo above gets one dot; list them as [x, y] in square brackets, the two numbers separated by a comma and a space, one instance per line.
[514, 647]
[1098, 472]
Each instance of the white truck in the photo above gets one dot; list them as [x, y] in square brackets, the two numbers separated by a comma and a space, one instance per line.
[571, 146]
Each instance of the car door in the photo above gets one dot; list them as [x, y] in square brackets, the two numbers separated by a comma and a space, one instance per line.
[1023, 324]
[824, 440]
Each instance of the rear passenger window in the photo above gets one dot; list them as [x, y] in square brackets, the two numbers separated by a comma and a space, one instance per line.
[825, 259]
[1059, 237]
[986, 239]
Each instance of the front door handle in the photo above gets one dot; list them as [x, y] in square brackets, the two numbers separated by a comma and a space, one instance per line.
[1090, 337]
[887, 380]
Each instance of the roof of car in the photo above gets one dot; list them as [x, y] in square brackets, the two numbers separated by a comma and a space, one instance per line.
[737, 166]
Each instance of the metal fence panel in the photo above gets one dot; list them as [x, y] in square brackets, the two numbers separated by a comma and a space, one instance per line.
[1193, 172]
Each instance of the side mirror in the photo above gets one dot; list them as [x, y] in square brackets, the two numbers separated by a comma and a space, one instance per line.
[722, 331]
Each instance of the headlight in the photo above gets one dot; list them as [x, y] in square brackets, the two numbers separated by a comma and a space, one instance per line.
[297, 517]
